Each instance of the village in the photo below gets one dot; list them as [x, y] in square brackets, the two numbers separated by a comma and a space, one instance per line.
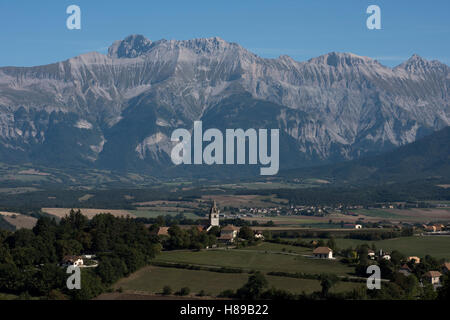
[230, 237]
[297, 248]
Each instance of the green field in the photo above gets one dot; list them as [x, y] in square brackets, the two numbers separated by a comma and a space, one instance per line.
[153, 279]
[275, 247]
[377, 213]
[257, 259]
[435, 246]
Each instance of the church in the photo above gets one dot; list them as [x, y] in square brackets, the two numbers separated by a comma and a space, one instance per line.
[228, 234]
[213, 217]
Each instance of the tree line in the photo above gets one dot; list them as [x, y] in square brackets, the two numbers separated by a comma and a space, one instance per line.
[30, 259]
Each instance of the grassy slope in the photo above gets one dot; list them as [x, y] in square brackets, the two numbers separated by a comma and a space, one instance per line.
[251, 259]
[435, 246]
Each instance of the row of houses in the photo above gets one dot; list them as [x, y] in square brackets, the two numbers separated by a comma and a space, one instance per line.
[381, 254]
[433, 276]
[433, 228]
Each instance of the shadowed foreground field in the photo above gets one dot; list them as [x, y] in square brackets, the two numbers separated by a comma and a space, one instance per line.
[152, 280]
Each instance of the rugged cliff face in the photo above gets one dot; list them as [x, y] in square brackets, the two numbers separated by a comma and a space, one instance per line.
[118, 111]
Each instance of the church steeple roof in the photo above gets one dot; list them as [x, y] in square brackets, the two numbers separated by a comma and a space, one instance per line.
[214, 207]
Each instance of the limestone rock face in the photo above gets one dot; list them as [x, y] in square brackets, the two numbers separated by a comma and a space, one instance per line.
[118, 110]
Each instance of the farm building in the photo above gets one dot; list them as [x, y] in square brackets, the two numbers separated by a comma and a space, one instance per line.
[433, 277]
[229, 233]
[323, 253]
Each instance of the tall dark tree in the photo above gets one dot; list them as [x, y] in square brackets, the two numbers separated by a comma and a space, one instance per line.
[246, 233]
[254, 287]
[327, 281]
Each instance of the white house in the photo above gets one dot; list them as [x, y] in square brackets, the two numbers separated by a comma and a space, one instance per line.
[259, 235]
[323, 253]
[433, 277]
[76, 261]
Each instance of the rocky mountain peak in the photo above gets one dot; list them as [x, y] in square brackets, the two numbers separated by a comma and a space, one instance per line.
[417, 64]
[341, 59]
[131, 47]
[117, 111]
[208, 45]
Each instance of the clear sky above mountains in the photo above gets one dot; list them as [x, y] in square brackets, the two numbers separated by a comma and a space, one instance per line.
[35, 33]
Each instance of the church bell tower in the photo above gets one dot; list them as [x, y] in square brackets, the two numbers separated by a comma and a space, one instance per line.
[214, 216]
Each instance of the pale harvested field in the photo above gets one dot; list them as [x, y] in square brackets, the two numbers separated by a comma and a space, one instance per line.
[21, 221]
[86, 197]
[164, 209]
[90, 213]
[4, 213]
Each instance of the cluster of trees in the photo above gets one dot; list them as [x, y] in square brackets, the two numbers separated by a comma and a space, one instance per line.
[400, 286]
[30, 259]
[196, 239]
[408, 288]
[188, 239]
[169, 220]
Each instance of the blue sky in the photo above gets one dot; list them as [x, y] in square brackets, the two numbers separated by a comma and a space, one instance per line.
[35, 33]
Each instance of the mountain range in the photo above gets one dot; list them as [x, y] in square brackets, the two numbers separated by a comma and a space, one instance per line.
[117, 111]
